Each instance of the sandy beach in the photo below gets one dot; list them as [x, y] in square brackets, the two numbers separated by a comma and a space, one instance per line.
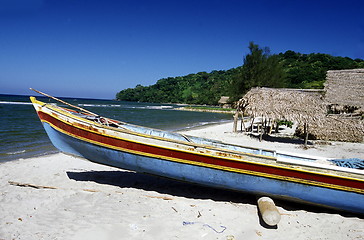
[63, 197]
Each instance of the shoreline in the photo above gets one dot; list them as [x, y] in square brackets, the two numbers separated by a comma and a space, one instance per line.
[58, 196]
[204, 110]
[49, 149]
[52, 150]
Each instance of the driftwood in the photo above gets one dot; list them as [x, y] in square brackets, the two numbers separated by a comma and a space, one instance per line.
[90, 190]
[30, 185]
[164, 198]
[269, 211]
[41, 186]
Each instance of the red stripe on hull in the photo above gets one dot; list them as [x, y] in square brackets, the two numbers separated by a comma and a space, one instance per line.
[255, 167]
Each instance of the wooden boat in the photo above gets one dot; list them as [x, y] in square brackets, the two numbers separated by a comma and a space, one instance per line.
[202, 161]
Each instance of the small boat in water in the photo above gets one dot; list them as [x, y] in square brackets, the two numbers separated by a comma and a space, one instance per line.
[202, 161]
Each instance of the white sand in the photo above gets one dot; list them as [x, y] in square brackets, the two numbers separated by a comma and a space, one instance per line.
[91, 201]
[223, 132]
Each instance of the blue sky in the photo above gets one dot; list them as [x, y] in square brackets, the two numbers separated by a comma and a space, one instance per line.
[95, 48]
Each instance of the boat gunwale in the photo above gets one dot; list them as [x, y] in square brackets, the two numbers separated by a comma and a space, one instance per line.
[126, 131]
[233, 169]
[65, 112]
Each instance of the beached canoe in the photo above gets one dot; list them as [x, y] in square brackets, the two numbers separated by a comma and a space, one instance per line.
[202, 161]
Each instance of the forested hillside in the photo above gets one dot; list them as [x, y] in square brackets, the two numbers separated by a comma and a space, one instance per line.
[309, 70]
[260, 68]
[199, 88]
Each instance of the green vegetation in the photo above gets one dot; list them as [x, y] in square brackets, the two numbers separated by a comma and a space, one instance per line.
[309, 70]
[260, 69]
[285, 123]
[199, 88]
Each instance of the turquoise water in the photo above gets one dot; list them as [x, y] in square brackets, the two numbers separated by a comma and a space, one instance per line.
[22, 134]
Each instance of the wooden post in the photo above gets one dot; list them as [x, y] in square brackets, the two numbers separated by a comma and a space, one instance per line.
[306, 133]
[270, 124]
[261, 131]
[242, 123]
[251, 125]
[236, 116]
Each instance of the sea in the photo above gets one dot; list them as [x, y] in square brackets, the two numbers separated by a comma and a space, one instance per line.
[22, 134]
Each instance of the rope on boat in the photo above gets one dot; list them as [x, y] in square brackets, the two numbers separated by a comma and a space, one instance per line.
[99, 119]
[204, 224]
[68, 104]
[356, 163]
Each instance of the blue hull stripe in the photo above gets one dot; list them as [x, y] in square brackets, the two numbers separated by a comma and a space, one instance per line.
[343, 200]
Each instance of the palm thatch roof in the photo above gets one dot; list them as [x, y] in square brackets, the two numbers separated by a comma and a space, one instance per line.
[336, 128]
[224, 100]
[298, 105]
[305, 107]
[345, 87]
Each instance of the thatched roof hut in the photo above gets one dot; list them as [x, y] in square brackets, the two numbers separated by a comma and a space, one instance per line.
[336, 128]
[345, 87]
[304, 106]
[224, 102]
[296, 105]
[299, 105]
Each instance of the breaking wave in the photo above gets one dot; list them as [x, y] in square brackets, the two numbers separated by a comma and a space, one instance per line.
[16, 103]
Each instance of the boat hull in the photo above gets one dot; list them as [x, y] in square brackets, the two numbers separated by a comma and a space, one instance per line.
[222, 177]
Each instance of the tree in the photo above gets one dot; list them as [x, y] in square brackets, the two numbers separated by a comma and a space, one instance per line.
[260, 69]
[309, 70]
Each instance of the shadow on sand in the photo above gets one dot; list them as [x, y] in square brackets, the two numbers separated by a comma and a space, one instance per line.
[126, 179]
[279, 139]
